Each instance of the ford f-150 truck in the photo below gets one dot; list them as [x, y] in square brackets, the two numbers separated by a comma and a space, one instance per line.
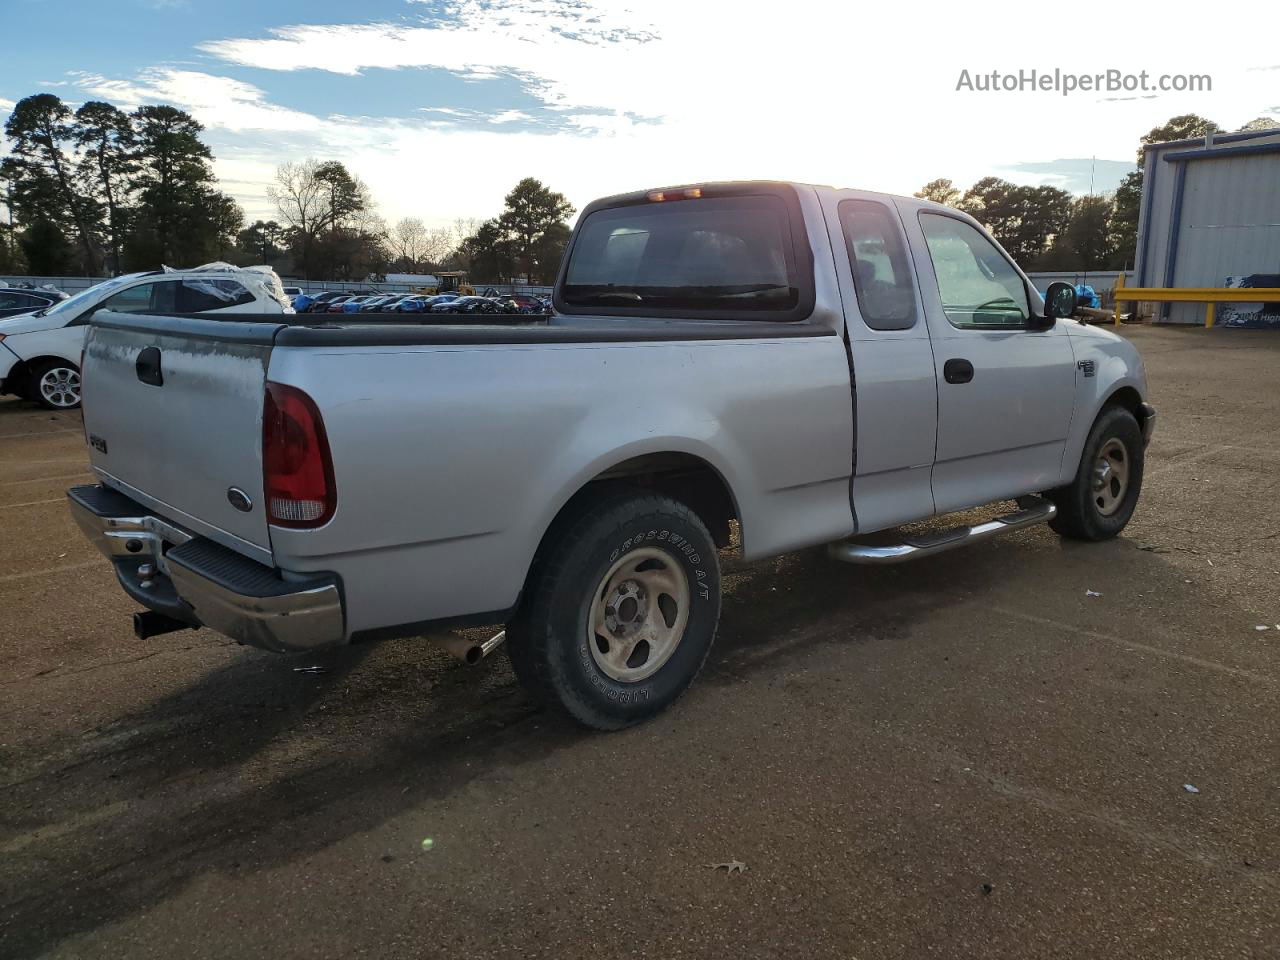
[808, 363]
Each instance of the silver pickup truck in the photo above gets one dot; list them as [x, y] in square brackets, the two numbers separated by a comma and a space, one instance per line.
[808, 364]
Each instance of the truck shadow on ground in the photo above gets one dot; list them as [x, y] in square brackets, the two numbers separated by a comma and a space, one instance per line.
[253, 765]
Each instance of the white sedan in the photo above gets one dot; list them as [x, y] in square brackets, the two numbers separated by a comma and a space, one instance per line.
[40, 351]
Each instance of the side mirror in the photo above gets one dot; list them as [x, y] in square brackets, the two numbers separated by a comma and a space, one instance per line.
[1059, 301]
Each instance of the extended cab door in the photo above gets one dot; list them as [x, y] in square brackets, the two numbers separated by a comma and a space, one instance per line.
[895, 396]
[1005, 388]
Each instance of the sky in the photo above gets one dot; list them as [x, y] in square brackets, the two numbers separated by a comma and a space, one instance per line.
[441, 107]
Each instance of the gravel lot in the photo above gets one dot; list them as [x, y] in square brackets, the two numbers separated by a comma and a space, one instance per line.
[963, 757]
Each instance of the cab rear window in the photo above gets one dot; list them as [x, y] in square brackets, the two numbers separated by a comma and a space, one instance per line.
[723, 257]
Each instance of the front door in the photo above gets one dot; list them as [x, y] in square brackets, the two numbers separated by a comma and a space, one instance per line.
[1005, 388]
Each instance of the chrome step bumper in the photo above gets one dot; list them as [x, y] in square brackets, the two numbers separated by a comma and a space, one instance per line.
[912, 548]
[202, 583]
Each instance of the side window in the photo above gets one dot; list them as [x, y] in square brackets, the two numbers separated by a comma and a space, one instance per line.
[979, 287]
[203, 295]
[157, 297]
[878, 259]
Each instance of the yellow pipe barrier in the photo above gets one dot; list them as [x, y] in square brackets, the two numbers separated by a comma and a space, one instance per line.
[1210, 296]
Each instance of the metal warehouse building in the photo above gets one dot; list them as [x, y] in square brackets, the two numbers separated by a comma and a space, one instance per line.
[1210, 211]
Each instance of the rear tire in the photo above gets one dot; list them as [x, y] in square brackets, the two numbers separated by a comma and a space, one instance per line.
[1098, 503]
[55, 385]
[620, 612]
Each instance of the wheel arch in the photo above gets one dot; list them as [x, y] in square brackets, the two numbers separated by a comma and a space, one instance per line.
[1127, 397]
[1115, 382]
[21, 371]
[684, 476]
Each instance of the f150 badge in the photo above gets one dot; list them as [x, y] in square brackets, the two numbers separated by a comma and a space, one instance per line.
[97, 443]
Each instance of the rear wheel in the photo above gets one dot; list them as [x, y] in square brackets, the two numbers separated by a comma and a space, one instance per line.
[55, 385]
[621, 610]
[1098, 503]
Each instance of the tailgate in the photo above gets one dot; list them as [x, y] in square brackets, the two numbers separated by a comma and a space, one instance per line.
[173, 412]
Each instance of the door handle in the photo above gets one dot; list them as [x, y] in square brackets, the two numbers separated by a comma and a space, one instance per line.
[957, 371]
[148, 367]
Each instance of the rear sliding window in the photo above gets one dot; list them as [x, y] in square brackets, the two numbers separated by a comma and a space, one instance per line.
[726, 257]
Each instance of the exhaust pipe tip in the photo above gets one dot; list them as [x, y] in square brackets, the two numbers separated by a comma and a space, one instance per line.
[468, 651]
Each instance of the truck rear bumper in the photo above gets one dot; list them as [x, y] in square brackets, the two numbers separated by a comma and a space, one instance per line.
[202, 583]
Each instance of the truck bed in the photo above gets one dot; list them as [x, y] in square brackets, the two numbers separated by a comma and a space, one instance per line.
[455, 444]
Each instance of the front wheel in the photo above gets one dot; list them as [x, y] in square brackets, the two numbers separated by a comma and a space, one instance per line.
[621, 610]
[55, 385]
[1098, 503]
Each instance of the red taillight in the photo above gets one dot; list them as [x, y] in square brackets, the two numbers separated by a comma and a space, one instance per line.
[297, 470]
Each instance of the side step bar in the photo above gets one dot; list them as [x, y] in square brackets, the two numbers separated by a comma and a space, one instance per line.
[912, 548]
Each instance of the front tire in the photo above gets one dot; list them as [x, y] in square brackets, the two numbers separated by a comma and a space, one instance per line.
[621, 610]
[1098, 503]
[55, 385]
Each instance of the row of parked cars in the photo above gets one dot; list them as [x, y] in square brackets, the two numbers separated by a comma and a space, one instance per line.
[42, 330]
[371, 302]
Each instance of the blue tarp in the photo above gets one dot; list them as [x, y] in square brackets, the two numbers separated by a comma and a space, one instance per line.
[1086, 296]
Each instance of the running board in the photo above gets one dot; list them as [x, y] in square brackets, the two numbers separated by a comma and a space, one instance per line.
[912, 547]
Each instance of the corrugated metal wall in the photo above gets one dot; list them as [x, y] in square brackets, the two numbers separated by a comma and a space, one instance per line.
[1227, 220]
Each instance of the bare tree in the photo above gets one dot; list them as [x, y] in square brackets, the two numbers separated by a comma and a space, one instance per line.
[302, 203]
[464, 227]
[438, 245]
[409, 241]
[300, 197]
[314, 197]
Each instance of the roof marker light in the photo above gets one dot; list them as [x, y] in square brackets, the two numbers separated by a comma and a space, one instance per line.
[657, 196]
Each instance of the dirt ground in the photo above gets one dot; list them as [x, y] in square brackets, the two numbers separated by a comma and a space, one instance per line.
[963, 757]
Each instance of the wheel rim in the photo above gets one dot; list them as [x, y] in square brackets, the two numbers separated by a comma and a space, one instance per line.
[638, 615]
[60, 387]
[1110, 477]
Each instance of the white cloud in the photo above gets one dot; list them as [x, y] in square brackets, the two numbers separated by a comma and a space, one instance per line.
[217, 102]
[509, 116]
[563, 53]
[674, 91]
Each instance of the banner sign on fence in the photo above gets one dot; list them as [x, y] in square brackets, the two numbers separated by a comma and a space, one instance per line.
[1252, 316]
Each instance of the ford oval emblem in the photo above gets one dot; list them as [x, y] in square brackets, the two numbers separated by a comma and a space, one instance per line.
[239, 499]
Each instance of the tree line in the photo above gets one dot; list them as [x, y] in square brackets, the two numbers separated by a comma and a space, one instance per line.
[328, 228]
[1044, 228]
[98, 191]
